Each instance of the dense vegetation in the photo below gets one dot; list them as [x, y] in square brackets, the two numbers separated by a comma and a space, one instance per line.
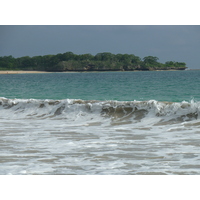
[86, 62]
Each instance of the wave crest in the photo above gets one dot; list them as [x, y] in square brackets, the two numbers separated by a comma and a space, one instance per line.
[115, 110]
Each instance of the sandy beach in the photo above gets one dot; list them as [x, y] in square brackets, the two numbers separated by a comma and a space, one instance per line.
[22, 72]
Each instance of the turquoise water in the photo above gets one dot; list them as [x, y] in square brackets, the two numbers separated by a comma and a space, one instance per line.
[140, 123]
[174, 86]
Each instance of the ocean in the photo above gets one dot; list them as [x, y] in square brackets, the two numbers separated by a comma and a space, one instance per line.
[106, 123]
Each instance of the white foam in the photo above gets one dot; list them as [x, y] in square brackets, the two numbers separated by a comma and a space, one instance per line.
[76, 137]
[77, 109]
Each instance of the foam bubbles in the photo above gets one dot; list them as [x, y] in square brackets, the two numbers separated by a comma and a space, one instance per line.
[73, 136]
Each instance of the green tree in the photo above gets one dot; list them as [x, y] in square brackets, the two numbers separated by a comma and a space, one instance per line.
[86, 57]
[150, 60]
[68, 56]
[101, 61]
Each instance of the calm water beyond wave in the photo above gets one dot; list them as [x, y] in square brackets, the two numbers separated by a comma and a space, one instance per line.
[100, 123]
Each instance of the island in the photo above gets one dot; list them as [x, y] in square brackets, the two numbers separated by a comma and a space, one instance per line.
[86, 62]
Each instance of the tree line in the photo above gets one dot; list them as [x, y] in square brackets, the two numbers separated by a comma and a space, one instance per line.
[86, 62]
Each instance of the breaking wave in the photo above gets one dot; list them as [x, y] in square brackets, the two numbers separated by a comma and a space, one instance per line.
[74, 109]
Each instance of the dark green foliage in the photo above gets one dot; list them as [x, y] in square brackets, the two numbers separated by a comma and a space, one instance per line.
[175, 65]
[86, 62]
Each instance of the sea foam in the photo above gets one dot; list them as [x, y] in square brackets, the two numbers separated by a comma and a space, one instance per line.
[73, 109]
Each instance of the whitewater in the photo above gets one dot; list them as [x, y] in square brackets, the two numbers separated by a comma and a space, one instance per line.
[99, 134]
[99, 137]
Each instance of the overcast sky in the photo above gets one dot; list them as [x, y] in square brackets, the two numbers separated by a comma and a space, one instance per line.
[168, 43]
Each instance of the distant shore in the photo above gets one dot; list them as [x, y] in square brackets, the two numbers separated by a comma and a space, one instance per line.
[39, 72]
[31, 72]
[22, 72]
[70, 62]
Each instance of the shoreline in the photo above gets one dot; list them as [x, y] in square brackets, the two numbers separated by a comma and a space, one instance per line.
[21, 72]
[39, 72]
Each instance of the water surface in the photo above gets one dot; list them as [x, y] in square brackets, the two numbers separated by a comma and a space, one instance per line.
[100, 123]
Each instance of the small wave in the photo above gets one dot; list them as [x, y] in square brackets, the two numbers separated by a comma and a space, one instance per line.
[89, 109]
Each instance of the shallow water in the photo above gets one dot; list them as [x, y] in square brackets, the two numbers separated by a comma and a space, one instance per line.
[74, 136]
[173, 86]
